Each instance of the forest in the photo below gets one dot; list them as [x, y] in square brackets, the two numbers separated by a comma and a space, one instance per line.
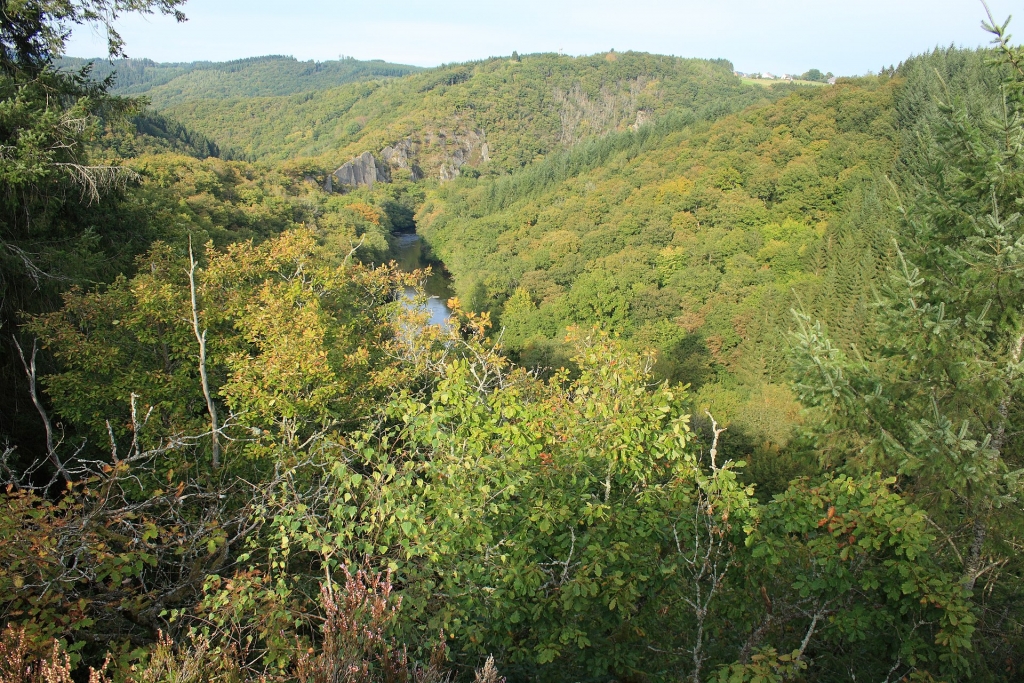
[727, 393]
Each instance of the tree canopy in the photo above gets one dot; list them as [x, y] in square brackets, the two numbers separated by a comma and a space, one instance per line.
[728, 392]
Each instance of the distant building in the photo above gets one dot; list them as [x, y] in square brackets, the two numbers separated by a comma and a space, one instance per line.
[768, 76]
[832, 81]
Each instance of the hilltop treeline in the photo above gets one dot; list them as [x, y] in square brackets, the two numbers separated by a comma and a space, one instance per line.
[167, 84]
[520, 108]
[728, 392]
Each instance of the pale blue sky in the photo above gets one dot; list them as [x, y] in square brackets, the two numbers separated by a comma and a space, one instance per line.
[843, 36]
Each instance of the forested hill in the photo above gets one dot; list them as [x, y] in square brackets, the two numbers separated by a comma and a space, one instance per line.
[495, 115]
[728, 394]
[698, 240]
[175, 83]
[695, 240]
[167, 84]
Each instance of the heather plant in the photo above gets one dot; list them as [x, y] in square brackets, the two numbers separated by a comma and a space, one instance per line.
[19, 664]
[357, 646]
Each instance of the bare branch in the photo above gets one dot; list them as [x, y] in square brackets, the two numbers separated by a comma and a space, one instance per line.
[810, 632]
[352, 251]
[30, 373]
[93, 180]
[714, 443]
[201, 338]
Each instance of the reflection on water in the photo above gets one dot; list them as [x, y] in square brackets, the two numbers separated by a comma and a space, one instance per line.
[410, 255]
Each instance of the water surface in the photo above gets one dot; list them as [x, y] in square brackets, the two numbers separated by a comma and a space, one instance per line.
[411, 254]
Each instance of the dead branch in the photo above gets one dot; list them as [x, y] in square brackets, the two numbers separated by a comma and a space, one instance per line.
[94, 180]
[30, 373]
[201, 338]
[714, 443]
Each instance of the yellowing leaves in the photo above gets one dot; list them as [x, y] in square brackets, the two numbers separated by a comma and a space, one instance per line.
[674, 189]
[365, 211]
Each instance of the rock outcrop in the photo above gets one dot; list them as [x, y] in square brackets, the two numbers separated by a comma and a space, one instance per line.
[459, 150]
[447, 152]
[362, 171]
[586, 114]
[643, 117]
[402, 155]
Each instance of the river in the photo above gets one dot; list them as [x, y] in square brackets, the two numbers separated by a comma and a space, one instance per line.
[410, 254]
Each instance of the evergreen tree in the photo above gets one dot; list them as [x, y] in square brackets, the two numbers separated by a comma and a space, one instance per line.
[55, 220]
[931, 393]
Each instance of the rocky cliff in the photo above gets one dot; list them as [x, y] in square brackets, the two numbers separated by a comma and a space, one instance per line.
[403, 154]
[362, 171]
[442, 151]
[457, 150]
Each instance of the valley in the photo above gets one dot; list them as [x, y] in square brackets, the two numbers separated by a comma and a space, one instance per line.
[711, 379]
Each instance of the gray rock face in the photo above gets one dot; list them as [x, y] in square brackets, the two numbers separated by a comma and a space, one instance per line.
[470, 148]
[326, 185]
[448, 171]
[402, 155]
[456, 150]
[643, 117]
[583, 114]
[360, 172]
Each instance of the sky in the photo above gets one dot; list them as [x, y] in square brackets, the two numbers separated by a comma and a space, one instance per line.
[847, 37]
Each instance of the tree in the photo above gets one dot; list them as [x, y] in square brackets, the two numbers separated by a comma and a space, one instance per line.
[287, 346]
[55, 203]
[931, 395]
[582, 525]
[34, 32]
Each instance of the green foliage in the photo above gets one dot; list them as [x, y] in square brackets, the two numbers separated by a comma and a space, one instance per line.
[297, 351]
[573, 526]
[690, 238]
[295, 339]
[46, 163]
[60, 222]
[268, 454]
[153, 133]
[171, 84]
[929, 392]
[521, 109]
[34, 32]
[815, 76]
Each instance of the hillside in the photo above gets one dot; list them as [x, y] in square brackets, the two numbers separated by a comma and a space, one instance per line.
[695, 240]
[168, 84]
[494, 116]
[728, 392]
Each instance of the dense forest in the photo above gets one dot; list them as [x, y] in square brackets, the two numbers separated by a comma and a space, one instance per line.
[520, 108]
[169, 84]
[727, 393]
